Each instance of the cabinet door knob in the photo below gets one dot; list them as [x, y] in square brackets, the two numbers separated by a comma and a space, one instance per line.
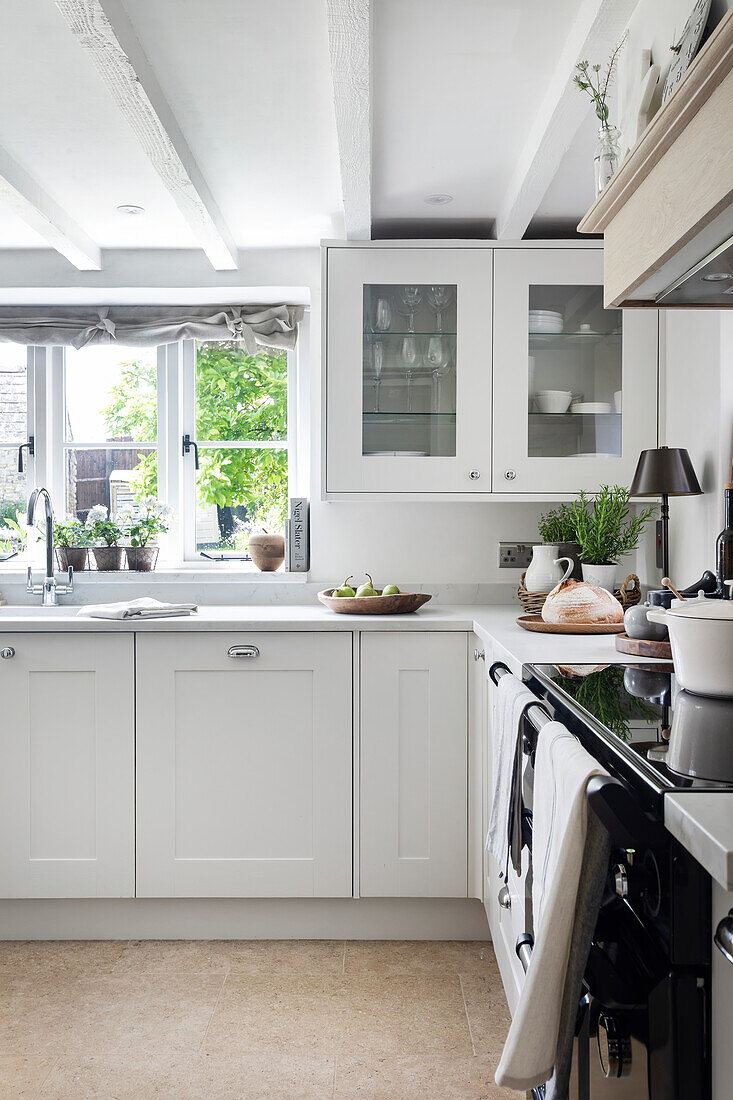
[243, 651]
[479, 655]
[510, 474]
[7, 652]
[474, 475]
[505, 898]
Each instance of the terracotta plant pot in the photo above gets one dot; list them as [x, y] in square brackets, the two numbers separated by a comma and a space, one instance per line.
[108, 558]
[141, 559]
[267, 551]
[72, 557]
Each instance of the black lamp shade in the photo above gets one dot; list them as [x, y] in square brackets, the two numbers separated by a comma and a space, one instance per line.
[665, 470]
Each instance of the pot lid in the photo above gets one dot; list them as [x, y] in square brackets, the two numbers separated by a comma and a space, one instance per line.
[721, 610]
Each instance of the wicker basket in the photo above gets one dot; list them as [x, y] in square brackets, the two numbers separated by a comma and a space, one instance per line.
[628, 595]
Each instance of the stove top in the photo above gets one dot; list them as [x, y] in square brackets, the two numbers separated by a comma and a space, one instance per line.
[667, 737]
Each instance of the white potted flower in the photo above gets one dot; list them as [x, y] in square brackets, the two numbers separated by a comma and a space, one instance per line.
[105, 535]
[141, 527]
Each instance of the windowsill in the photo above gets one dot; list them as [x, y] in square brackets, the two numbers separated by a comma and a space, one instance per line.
[12, 572]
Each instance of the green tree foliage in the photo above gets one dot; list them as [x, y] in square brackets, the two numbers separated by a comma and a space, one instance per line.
[239, 397]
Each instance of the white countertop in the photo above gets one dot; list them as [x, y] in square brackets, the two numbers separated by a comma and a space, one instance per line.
[702, 822]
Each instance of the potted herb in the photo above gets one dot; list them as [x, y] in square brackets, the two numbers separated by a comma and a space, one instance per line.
[597, 84]
[105, 533]
[70, 539]
[141, 528]
[606, 531]
[558, 527]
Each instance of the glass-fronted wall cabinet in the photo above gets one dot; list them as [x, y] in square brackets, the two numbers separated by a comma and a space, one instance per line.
[575, 385]
[408, 370]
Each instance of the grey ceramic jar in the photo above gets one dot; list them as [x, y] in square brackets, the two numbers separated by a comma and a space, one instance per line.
[638, 626]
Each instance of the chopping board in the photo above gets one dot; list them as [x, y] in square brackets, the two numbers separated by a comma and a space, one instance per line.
[539, 626]
[639, 647]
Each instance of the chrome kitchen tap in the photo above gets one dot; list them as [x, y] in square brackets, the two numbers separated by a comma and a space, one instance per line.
[49, 590]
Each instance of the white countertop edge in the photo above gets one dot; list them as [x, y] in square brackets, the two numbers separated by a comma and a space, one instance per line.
[703, 824]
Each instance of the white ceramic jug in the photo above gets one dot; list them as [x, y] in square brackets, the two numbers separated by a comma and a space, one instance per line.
[545, 570]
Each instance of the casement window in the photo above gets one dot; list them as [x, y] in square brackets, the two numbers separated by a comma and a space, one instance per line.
[204, 427]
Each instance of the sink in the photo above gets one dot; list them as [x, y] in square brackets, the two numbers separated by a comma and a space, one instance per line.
[38, 612]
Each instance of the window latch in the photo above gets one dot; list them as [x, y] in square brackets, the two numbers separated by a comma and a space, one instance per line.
[188, 443]
[31, 448]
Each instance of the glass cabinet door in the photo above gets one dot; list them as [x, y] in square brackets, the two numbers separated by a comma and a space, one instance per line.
[408, 364]
[575, 384]
[409, 370]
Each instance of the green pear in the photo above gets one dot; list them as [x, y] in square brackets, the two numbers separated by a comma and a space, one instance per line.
[344, 590]
[390, 590]
[366, 589]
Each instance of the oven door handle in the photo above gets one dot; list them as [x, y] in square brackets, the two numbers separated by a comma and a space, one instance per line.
[626, 822]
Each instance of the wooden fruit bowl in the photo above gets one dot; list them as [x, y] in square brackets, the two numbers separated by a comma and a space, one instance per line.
[400, 604]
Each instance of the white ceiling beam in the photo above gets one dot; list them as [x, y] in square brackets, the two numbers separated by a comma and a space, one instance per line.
[20, 193]
[103, 29]
[348, 37]
[596, 29]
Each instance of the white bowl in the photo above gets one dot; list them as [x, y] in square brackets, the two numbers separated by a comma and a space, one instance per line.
[553, 401]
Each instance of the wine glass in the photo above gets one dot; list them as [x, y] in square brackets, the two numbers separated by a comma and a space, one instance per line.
[438, 358]
[378, 365]
[382, 315]
[411, 296]
[439, 297]
[410, 355]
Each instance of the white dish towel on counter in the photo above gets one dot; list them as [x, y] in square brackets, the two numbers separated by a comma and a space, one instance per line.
[504, 838]
[560, 818]
[144, 608]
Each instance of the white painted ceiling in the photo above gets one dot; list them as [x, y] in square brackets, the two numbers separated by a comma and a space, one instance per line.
[455, 86]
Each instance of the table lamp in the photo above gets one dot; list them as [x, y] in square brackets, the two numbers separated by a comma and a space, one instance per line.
[665, 472]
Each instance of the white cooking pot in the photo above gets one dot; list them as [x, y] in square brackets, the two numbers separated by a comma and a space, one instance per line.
[701, 633]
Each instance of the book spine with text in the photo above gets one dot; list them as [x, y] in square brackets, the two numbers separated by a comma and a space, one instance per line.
[299, 535]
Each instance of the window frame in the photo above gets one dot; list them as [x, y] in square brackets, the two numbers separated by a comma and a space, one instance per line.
[176, 381]
[187, 491]
[35, 404]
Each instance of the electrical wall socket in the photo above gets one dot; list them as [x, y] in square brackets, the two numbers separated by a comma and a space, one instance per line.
[515, 555]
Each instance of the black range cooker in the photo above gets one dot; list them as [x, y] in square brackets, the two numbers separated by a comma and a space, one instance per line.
[643, 1024]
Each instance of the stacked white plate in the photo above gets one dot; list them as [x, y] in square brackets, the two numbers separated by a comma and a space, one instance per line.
[545, 320]
[590, 407]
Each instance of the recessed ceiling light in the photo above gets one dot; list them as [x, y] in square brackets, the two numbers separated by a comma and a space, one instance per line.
[717, 277]
[129, 208]
[438, 200]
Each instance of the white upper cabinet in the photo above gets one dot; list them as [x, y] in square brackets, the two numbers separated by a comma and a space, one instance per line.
[487, 369]
[67, 751]
[575, 385]
[244, 765]
[408, 370]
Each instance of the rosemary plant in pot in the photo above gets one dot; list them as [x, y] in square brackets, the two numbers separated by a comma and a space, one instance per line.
[71, 539]
[606, 531]
[105, 535]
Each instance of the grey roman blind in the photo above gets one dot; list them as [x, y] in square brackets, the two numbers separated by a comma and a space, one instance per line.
[273, 326]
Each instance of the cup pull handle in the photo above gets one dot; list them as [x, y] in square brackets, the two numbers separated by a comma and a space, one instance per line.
[243, 651]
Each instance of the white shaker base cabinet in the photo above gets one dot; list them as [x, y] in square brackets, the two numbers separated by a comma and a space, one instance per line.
[66, 766]
[413, 764]
[244, 765]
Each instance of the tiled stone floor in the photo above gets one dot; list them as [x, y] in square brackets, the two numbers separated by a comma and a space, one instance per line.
[290, 1020]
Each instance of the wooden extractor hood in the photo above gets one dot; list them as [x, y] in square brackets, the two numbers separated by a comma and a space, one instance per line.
[667, 214]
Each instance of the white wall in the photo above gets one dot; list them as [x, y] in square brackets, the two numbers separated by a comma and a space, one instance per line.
[697, 413]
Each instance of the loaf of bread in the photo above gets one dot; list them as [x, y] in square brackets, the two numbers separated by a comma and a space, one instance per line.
[580, 602]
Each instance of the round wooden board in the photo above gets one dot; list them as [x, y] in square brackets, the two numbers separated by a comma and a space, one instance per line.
[401, 604]
[640, 647]
[537, 624]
